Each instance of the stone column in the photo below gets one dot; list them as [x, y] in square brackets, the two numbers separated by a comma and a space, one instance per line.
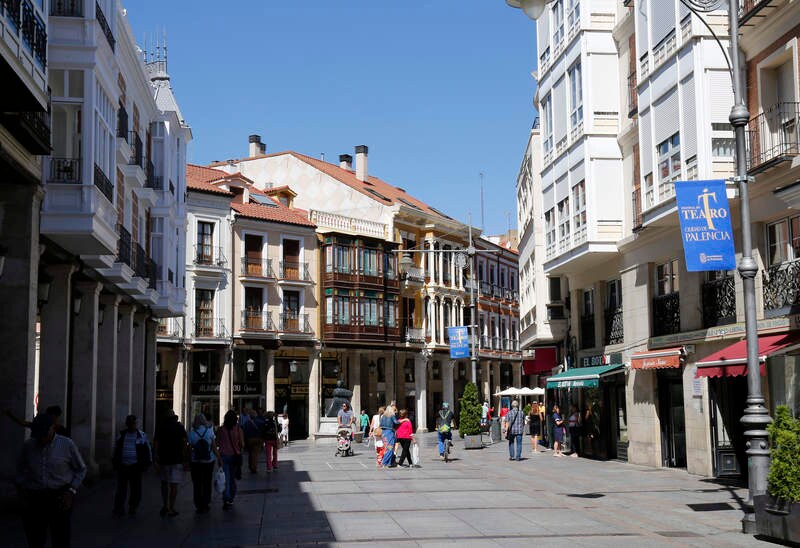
[179, 385]
[56, 321]
[137, 366]
[432, 317]
[440, 322]
[313, 390]
[106, 415]
[125, 352]
[421, 389]
[390, 370]
[83, 381]
[226, 385]
[495, 367]
[268, 357]
[354, 375]
[516, 374]
[149, 392]
[440, 259]
[447, 382]
[486, 381]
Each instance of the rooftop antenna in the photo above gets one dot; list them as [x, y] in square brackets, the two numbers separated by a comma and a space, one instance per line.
[483, 224]
[322, 156]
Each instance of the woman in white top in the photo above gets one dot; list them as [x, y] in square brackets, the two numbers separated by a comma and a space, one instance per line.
[375, 422]
[284, 424]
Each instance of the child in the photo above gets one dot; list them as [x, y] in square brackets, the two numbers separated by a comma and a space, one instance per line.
[379, 448]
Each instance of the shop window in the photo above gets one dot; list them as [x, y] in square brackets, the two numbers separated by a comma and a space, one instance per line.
[667, 278]
[783, 240]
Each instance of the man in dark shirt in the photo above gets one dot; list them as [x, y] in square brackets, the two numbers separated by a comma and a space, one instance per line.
[171, 456]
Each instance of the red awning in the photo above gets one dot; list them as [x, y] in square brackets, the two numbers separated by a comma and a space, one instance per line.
[544, 361]
[663, 358]
[732, 360]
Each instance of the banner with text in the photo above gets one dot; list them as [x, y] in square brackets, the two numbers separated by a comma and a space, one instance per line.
[706, 229]
[459, 342]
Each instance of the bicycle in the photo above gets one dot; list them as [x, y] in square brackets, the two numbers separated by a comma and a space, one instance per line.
[448, 445]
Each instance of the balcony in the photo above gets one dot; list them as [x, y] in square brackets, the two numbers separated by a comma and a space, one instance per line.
[257, 321]
[151, 180]
[137, 149]
[65, 171]
[414, 336]
[614, 327]
[633, 95]
[497, 291]
[102, 182]
[294, 271]
[256, 267]
[587, 331]
[122, 123]
[294, 323]
[510, 295]
[666, 314]
[208, 255]
[750, 9]
[486, 289]
[66, 8]
[773, 137]
[124, 247]
[208, 327]
[170, 328]
[101, 19]
[636, 210]
[413, 278]
[484, 342]
[782, 288]
[719, 302]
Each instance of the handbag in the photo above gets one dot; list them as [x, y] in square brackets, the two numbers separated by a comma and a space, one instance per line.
[219, 481]
[415, 455]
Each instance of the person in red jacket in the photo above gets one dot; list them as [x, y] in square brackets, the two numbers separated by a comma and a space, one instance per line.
[405, 435]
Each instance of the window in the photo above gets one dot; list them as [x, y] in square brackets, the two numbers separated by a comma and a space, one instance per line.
[575, 95]
[667, 278]
[205, 240]
[547, 124]
[723, 143]
[204, 312]
[563, 220]
[613, 294]
[558, 21]
[555, 289]
[579, 206]
[550, 228]
[390, 313]
[649, 191]
[369, 311]
[369, 262]
[783, 240]
[574, 8]
[588, 303]
[669, 165]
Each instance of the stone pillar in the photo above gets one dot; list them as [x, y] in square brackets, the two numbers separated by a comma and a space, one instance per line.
[179, 389]
[137, 367]
[432, 317]
[149, 393]
[421, 389]
[226, 385]
[447, 382]
[390, 370]
[55, 321]
[440, 259]
[107, 353]
[313, 390]
[354, 375]
[495, 367]
[486, 381]
[268, 357]
[125, 351]
[440, 321]
[516, 374]
[83, 381]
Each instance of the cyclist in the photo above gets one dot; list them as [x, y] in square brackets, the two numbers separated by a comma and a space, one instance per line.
[444, 426]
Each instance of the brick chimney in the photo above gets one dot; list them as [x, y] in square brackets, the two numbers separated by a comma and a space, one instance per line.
[346, 161]
[256, 146]
[361, 162]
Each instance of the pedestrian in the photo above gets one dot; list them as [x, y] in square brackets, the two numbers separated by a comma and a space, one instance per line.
[132, 456]
[444, 427]
[50, 470]
[170, 450]
[271, 441]
[485, 413]
[54, 411]
[405, 435]
[230, 442]
[514, 426]
[558, 432]
[344, 417]
[380, 447]
[388, 423]
[252, 439]
[364, 425]
[204, 454]
[535, 421]
[285, 430]
[573, 423]
[590, 429]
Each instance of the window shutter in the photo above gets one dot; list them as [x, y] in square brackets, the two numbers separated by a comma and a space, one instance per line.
[543, 31]
[663, 17]
[646, 149]
[719, 82]
[689, 109]
[642, 46]
[560, 114]
[666, 116]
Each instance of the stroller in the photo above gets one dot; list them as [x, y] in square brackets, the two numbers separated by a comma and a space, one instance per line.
[344, 442]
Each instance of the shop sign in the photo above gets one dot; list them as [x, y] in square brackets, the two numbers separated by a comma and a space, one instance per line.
[601, 359]
[163, 394]
[459, 342]
[205, 389]
[574, 383]
[299, 389]
[706, 230]
[246, 388]
[657, 362]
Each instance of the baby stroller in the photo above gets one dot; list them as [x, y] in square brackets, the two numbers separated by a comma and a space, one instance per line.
[344, 442]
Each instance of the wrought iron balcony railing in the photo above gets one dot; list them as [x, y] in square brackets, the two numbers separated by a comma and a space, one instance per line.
[614, 326]
[666, 314]
[66, 8]
[773, 136]
[719, 301]
[782, 286]
[65, 170]
[122, 123]
[497, 291]
[292, 322]
[137, 154]
[123, 245]
[587, 331]
[486, 288]
[140, 261]
[170, 327]
[152, 273]
[102, 182]
[510, 295]
[636, 209]
[101, 19]
[749, 8]
[209, 255]
[633, 95]
[151, 181]
[207, 326]
[257, 267]
[414, 335]
[257, 320]
[294, 270]
[484, 342]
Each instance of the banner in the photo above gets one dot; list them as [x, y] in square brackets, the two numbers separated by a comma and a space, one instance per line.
[706, 228]
[459, 342]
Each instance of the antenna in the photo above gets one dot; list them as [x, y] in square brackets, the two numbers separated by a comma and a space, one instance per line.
[483, 224]
[322, 156]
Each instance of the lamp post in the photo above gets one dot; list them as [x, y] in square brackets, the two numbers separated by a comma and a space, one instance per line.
[756, 416]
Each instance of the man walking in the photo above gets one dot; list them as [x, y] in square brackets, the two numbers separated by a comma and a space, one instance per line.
[271, 441]
[514, 425]
[132, 456]
[49, 471]
[252, 439]
[170, 448]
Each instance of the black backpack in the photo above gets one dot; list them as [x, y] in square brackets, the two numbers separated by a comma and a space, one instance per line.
[270, 430]
[202, 449]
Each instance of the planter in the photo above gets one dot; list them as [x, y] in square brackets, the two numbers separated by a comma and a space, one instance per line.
[473, 442]
[777, 519]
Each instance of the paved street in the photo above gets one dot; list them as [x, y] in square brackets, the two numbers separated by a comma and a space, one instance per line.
[480, 499]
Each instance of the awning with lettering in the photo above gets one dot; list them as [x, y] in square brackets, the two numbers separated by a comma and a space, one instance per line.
[663, 358]
[543, 361]
[731, 361]
[584, 377]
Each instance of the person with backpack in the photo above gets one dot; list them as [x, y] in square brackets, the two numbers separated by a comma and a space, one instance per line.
[444, 426]
[169, 448]
[514, 425]
[230, 441]
[132, 456]
[270, 433]
[253, 440]
[204, 455]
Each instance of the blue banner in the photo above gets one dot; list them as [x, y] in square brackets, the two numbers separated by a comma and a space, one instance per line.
[706, 228]
[459, 342]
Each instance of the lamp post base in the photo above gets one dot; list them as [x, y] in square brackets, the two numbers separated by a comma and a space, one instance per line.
[749, 523]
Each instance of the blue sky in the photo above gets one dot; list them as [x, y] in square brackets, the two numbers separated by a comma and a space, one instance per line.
[439, 90]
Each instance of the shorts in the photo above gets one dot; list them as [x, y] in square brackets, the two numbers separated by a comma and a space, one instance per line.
[172, 473]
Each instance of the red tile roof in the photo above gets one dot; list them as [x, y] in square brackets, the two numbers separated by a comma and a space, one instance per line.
[279, 214]
[200, 177]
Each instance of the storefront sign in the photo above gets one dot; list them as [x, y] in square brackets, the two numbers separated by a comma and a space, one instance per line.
[459, 342]
[601, 359]
[246, 388]
[574, 383]
[299, 389]
[205, 389]
[706, 229]
[163, 394]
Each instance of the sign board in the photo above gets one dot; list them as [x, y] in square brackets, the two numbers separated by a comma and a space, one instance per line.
[706, 230]
[246, 388]
[459, 342]
[574, 383]
[601, 359]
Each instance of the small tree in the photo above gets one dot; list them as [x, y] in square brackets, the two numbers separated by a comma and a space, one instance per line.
[783, 481]
[470, 420]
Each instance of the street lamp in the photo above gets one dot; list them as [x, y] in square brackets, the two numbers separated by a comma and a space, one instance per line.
[251, 366]
[756, 416]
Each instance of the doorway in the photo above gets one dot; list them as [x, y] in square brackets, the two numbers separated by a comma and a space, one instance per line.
[727, 401]
[672, 418]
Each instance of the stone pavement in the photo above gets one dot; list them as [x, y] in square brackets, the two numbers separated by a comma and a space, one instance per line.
[479, 499]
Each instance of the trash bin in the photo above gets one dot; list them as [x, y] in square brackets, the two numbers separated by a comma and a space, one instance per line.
[495, 431]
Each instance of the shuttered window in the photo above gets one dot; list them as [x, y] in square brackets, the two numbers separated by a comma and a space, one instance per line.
[689, 110]
[719, 82]
[663, 18]
[646, 149]
[642, 45]
[667, 115]
[560, 109]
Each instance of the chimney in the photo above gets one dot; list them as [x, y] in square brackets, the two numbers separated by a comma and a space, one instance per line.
[256, 146]
[361, 162]
[346, 161]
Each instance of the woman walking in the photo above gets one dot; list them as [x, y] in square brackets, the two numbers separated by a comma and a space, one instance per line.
[204, 455]
[535, 421]
[387, 425]
[558, 432]
[574, 423]
[405, 435]
[230, 440]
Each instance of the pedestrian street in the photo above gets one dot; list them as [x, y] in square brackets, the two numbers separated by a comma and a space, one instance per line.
[478, 499]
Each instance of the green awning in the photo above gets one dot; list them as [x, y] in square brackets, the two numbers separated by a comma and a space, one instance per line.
[583, 377]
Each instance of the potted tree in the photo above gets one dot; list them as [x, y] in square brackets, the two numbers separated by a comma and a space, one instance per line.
[469, 425]
[778, 512]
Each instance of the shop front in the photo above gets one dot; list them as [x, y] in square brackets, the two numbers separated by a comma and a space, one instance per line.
[206, 377]
[292, 392]
[248, 388]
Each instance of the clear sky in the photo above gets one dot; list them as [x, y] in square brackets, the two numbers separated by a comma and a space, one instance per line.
[440, 90]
